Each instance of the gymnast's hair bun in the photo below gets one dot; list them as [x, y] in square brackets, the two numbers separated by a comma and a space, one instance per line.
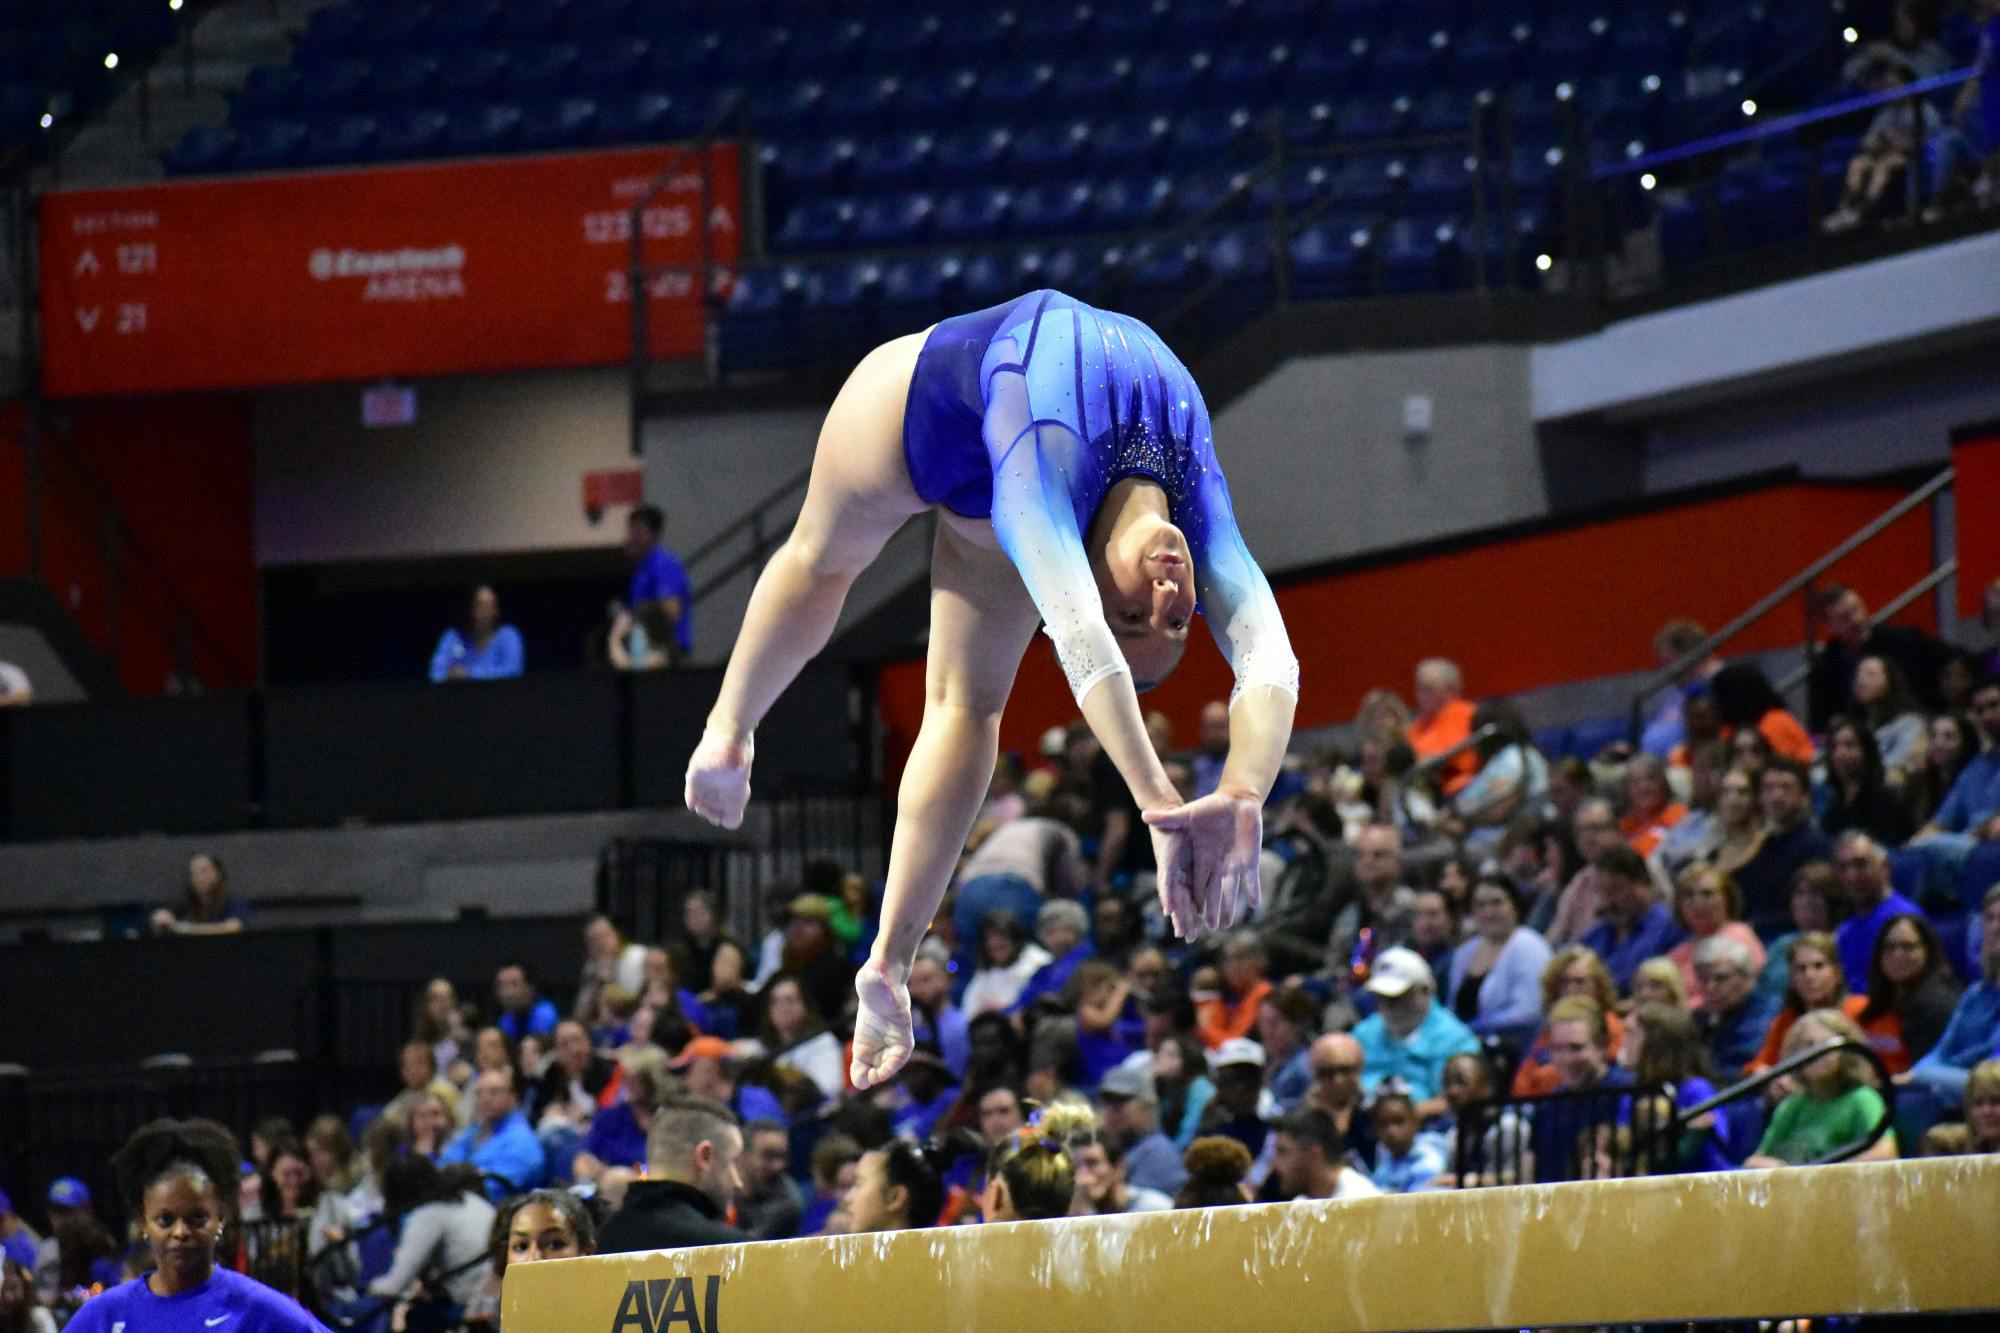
[1217, 1160]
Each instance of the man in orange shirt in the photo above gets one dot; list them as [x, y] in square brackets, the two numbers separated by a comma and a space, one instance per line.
[1233, 1013]
[1443, 720]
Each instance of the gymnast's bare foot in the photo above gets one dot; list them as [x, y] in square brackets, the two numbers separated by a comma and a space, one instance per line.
[883, 1037]
[718, 778]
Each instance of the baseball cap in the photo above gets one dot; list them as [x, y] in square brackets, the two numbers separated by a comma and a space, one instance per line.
[69, 1192]
[1129, 1080]
[1398, 969]
[701, 1048]
[1236, 1051]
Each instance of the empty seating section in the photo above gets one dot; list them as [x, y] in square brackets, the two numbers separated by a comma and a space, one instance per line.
[53, 60]
[915, 157]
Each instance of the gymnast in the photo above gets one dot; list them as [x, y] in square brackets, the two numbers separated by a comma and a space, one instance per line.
[1069, 455]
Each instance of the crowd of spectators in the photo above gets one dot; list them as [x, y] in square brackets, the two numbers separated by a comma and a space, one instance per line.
[1474, 963]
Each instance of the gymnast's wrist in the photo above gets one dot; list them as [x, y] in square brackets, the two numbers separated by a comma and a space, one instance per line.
[727, 732]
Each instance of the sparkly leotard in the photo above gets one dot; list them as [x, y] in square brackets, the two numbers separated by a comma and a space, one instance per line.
[1028, 413]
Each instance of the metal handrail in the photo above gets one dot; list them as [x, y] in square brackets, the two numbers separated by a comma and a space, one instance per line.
[1770, 601]
[1888, 612]
[1744, 1087]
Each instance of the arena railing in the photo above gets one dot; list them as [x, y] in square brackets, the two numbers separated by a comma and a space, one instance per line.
[1936, 493]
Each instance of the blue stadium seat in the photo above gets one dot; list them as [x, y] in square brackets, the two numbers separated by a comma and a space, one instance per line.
[1654, 42]
[849, 284]
[1052, 207]
[825, 43]
[610, 66]
[973, 213]
[1130, 25]
[1206, 131]
[863, 101]
[1308, 124]
[1133, 142]
[1553, 742]
[492, 127]
[458, 28]
[202, 150]
[677, 63]
[1050, 149]
[1588, 739]
[890, 220]
[1571, 44]
[1492, 52]
[797, 107]
[269, 145]
[1370, 181]
[1251, 70]
[332, 89]
[1093, 84]
[971, 154]
[1979, 874]
[523, 25]
[987, 280]
[815, 166]
[411, 133]
[939, 96]
[634, 117]
[341, 139]
[477, 75]
[1413, 58]
[1242, 254]
[1328, 66]
[816, 224]
[391, 30]
[329, 35]
[893, 159]
[1418, 255]
[1442, 181]
[1332, 258]
[543, 72]
[976, 34]
[1016, 89]
[1442, 111]
[1214, 196]
[1054, 27]
[400, 81]
[1285, 19]
[1364, 118]
[562, 122]
[754, 51]
[1124, 202]
[900, 43]
[269, 90]
[1305, 184]
[1170, 79]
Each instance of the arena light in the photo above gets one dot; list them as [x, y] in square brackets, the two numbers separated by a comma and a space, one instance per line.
[1564, 92]
[1648, 181]
[1544, 263]
[174, 5]
[1749, 106]
[48, 120]
[1850, 36]
[111, 60]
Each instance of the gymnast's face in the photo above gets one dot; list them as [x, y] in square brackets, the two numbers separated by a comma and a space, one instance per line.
[1147, 583]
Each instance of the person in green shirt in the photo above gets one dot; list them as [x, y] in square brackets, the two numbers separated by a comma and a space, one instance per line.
[1833, 1103]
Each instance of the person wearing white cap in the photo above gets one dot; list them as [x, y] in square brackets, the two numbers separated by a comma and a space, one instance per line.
[1409, 1036]
[1237, 1066]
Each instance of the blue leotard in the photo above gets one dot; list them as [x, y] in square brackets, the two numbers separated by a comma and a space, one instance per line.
[1028, 413]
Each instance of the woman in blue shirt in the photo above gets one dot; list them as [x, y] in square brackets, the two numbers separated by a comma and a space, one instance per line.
[1069, 458]
[480, 649]
[179, 1179]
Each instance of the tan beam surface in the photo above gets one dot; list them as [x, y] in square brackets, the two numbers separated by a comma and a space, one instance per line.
[1876, 1238]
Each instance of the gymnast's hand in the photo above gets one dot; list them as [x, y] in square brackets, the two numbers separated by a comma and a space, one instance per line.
[1223, 835]
[883, 1032]
[718, 778]
[1171, 860]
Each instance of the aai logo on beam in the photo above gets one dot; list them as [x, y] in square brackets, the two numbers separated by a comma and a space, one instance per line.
[665, 1304]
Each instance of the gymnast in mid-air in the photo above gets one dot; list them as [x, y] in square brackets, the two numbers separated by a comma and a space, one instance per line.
[1070, 459]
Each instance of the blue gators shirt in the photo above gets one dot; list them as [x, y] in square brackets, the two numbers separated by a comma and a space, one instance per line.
[227, 1303]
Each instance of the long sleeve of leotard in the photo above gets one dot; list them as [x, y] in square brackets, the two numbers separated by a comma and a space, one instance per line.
[1033, 451]
[1236, 598]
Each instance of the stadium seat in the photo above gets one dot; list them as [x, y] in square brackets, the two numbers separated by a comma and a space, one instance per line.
[893, 159]
[1328, 66]
[341, 139]
[1091, 85]
[816, 224]
[1133, 142]
[1015, 90]
[202, 150]
[1170, 79]
[331, 90]
[754, 51]
[1050, 150]
[563, 122]
[400, 82]
[524, 25]
[1124, 202]
[269, 145]
[939, 96]
[612, 65]
[973, 213]
[889, 220]
[490, 128]
[972, 154]
[796, 108]
[902, 43]
[543, 72]
[633, 117]
[269, 90]
[458, 28]
[1253, 71]
[824, 43]
[477, 75]
[1056, 27]
[1052, 207]
[411, 133]
[863, 101]
[979, 35]
[1204, 132]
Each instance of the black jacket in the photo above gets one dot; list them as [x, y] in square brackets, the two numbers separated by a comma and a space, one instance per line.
[665, 1215]
[1830, 687]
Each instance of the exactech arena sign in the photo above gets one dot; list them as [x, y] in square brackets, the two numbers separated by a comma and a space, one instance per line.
[495, 264]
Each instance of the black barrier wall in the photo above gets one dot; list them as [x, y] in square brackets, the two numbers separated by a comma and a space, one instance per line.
[319, 755]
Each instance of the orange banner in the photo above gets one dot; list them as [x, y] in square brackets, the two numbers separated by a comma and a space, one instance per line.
[427, 269]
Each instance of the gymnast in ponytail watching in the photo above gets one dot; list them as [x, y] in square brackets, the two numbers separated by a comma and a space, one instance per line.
[179, 1178]
[1031, 1175]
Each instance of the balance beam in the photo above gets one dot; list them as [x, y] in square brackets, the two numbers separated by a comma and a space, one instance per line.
[1871, 1238]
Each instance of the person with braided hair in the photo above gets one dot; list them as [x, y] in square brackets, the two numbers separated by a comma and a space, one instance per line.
[179, 1178]
[1031, 1176]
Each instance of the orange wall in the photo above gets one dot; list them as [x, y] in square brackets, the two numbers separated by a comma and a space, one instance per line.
[1977, 491]
[1517, 613]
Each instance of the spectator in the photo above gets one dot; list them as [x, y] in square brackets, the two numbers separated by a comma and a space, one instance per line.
[1237, 1066]
[499, 1141]
[1663, 1047]
[1103, 1183]
[1982, 1106]
[1032, 1176]
[1575, 970]
[895, 1189]
[1849, 638]
[940, 1025]
[1378, 916]
[1495, 976]
[708, 1068]
[1954, 743]
[1856, 793]
[1700, 835]
[927, 1091]
[1707, 903]
[1434, 930]
[659, 581]
[1180, 1074]
[835, 1167]
[1405, 1161]
[289, 1189]
[442, 1025]
[416, 1065]
[1970, 813]
[481, 648]
[1116, 930]
[178, 1182]
[608, 961]
[1443, 721]
[1015, 868]
[567, 1095]
[1935, 1085]
[1883, 701]
[1659, 981]
[1064, 932]
[1816, 982]
[1582, 900]
[19, 1310]
[1864, 876]
[1666, 729]
[726, 1000]
[1410, 1036]
[522, 1011]
[1578, 1051]
[618, 1133]
[1733, 1017]
[1310, 1159]
[1650, 808]
[1128, 1105]
[1000, 1114]
[702, 934]
[797, 1037]
[1635, 924]
[1911, 992]
[1790, 840]
[1216, 1169]
[444, 1236]
[1008, 958]
[769, 1206]
[1834, 1105]
[432, 1126]
[1286, 1023]
[1746, 702]
[814, 958]
[1494, 1139]
[1818, 903]
[1232, 1012]
[691, 1157]
[15, 690]
[530, 1228]
[1511, 776]
[207, 907]
[1894, 137]
[1740, 826]
[1208, 759]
